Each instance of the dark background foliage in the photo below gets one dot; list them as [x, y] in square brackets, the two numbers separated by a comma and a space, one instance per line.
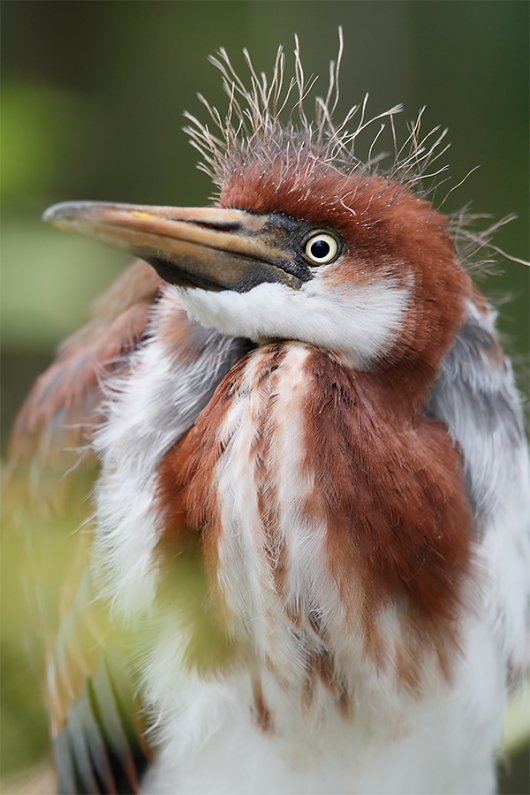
[92, 102]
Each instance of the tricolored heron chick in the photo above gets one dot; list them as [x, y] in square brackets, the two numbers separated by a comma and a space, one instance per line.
[313, 501]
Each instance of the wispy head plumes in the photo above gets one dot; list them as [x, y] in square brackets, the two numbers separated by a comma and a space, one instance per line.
[267, 120]
[473, 246]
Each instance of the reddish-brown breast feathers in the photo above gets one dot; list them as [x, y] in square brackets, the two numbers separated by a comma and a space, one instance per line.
[387, 487]
[391, 491]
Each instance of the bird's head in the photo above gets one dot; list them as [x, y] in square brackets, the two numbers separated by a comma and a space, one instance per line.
[306, 242]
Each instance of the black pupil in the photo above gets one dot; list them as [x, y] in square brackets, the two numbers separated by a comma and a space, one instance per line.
[320, 249]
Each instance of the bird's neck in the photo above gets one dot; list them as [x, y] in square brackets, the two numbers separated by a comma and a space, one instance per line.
[318, 515]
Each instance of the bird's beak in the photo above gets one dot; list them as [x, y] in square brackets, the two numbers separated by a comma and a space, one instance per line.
[212, 248]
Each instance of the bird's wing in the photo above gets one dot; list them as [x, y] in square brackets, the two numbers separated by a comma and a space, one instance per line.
[476, 397]
[98, 725]
[59, 416]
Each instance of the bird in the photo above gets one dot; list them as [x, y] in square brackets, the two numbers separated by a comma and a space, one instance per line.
[304, 562]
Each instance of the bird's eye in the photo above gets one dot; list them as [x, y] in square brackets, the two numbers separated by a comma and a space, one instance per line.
[321, 248]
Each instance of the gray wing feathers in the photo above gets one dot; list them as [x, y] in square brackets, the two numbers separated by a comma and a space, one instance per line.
[476, 398]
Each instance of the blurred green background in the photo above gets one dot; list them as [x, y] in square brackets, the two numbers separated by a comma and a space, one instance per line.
[92, 102]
